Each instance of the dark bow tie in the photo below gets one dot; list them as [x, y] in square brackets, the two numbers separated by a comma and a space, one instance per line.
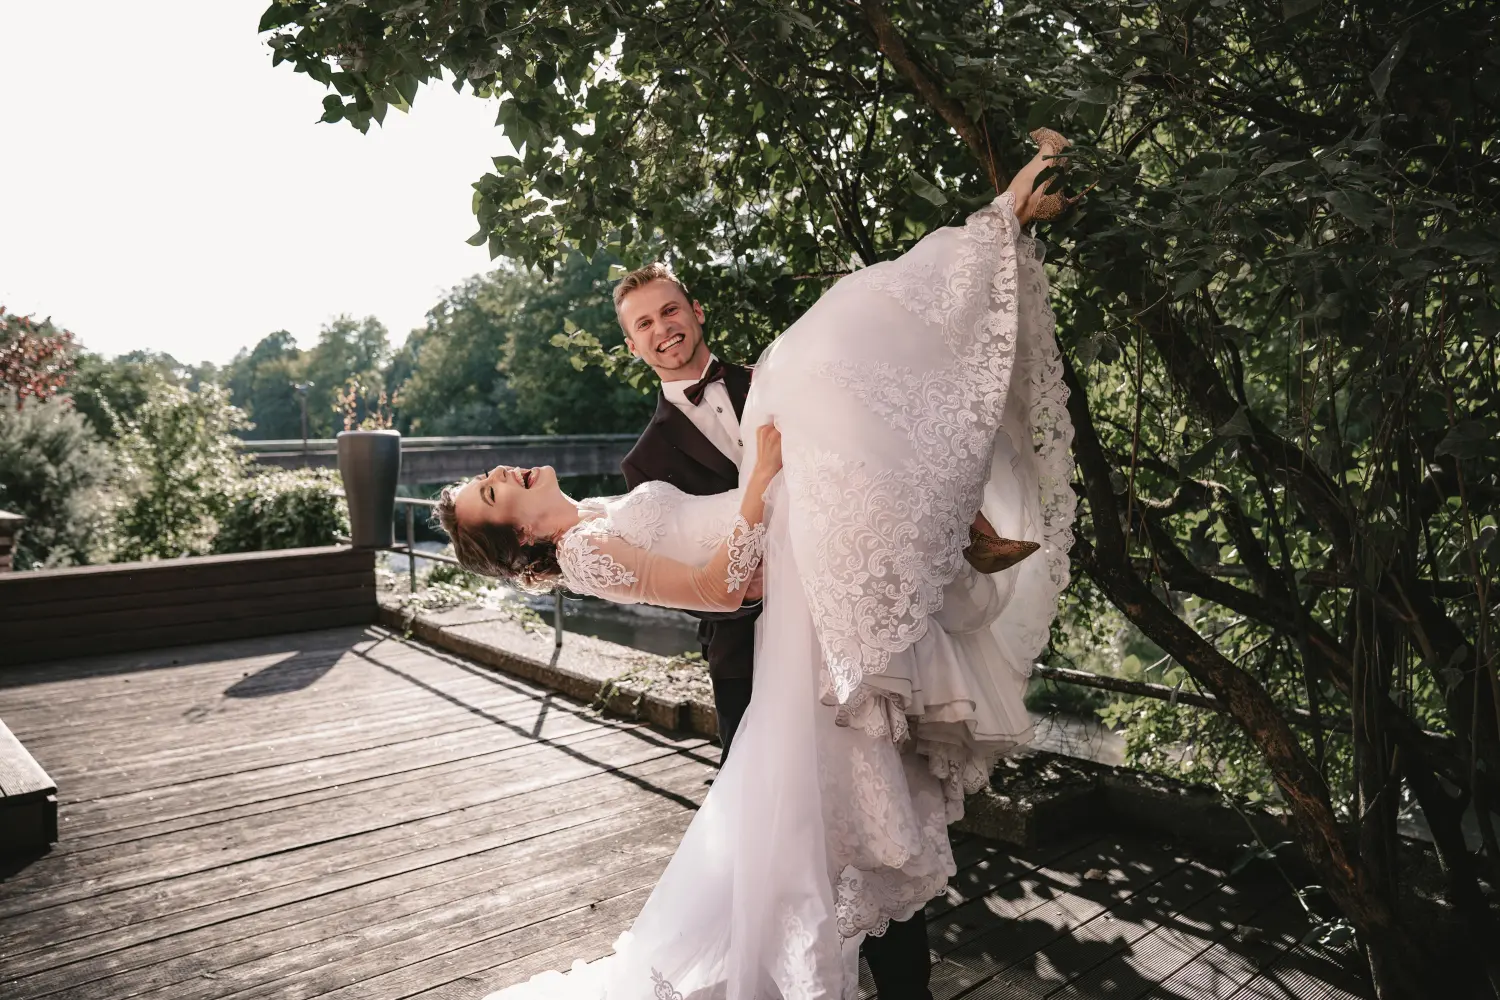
[713, 373]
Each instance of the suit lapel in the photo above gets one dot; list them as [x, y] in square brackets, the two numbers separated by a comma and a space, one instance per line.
[690, 440]
[737, 381]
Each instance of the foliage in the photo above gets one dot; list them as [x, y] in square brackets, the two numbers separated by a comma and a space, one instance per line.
[35, 358]
[109, 391]
[53, 470]
[283, 509]
[486, 363]
[262, 381]
[1278, 304]
[179, 469]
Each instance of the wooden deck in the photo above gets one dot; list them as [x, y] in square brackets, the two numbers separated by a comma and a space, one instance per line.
[342, 814]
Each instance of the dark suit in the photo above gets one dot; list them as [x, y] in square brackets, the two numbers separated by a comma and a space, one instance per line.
[673, 450]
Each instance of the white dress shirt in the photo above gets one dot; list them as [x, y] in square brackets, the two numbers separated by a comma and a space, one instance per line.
[714, 416]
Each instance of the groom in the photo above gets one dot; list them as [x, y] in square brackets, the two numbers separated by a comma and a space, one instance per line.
[694, 442]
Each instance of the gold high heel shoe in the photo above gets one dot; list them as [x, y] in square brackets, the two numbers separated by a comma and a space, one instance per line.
[989, 553]
[1052, 144]
[1048, 205]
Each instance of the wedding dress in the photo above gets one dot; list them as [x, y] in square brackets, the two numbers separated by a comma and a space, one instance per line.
[888, 674]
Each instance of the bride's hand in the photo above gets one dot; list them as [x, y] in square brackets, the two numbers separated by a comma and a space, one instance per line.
[767, 453]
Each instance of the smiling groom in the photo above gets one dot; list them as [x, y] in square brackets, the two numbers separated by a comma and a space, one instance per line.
[693, 442]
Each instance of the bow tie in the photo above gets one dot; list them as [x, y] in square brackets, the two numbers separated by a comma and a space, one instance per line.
[713, 373]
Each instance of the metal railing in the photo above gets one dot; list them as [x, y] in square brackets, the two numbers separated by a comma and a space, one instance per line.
[412, 555]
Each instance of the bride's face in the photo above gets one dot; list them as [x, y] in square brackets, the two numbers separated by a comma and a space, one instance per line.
[530, 499]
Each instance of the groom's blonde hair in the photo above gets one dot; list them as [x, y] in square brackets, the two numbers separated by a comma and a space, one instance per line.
[657, 271]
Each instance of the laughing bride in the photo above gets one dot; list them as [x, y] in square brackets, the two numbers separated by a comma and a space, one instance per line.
[906, 496]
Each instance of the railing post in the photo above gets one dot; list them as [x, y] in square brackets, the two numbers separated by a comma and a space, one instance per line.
[411, 545]
[557, 617]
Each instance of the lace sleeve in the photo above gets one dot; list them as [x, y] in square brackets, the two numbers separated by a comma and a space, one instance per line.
[587, 570]
[746, 546]
[601, 564]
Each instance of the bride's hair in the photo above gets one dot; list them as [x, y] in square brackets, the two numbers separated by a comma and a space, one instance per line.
[499, 550]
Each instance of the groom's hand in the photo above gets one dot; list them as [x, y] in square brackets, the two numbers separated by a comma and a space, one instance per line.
[755, 589]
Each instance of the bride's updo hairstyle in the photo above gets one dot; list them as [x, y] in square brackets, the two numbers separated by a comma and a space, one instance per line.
[498, 550]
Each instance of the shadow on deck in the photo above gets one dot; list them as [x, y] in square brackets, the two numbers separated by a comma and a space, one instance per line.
[346, 814]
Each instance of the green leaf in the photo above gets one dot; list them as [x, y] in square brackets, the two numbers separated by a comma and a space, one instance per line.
[1189, 283]
[1280, 167]
[1380, 78]
[1472, 243]
[616, 272]
[1358, 207]
[1471, 439]
[926, 190]
[1293, 9]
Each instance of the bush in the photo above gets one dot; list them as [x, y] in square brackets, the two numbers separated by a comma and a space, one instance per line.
[179, 468]
[52, 468]
[283, 509]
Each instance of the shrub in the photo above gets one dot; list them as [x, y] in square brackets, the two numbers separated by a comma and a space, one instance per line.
[52, 468]
[283, 509]
[179, 468]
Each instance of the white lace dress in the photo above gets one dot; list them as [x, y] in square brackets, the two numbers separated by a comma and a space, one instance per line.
[888, 674]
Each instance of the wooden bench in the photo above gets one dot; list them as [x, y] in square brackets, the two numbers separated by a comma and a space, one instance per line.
[88, 610]
[28, 799]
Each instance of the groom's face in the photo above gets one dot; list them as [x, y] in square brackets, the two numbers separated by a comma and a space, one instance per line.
[665, 330]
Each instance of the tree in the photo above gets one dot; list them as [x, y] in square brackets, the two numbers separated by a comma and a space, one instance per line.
[346, 349]
[35, 358]
[486, 363]
[1278, 306]
[261, 382]
[109, 392]
[53, 471]
[179, 468]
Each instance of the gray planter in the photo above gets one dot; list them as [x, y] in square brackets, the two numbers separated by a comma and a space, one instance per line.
[370, 464]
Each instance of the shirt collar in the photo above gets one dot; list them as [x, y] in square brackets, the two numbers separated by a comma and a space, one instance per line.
[676, 392]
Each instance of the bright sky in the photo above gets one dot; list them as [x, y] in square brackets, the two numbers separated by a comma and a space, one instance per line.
[164, 187]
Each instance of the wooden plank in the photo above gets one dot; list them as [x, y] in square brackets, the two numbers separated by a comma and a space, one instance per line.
[1008, 927]
[1164, 942]
[70, 680]
[21, 777]
[1307, 972]
[461, 940]
[360, 613]
[201, 850]
[45, 586]
[292, 584]
[1237, 957]
[310, 931]
[147, 913]
[245, 601]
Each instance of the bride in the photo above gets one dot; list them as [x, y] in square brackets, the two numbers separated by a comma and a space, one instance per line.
[910, 414]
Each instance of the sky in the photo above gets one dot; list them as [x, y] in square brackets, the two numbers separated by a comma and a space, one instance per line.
[164, 188]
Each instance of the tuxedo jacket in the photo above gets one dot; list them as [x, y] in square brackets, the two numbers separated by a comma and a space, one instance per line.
[674, 451]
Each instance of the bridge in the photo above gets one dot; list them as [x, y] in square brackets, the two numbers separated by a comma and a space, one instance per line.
[445, 459]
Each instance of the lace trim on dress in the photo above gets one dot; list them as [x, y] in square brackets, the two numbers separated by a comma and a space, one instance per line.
[746, 547]
[585, 569]
[876, 586]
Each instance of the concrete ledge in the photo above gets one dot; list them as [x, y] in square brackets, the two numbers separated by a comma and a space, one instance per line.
[628, 682]
[1034, 796]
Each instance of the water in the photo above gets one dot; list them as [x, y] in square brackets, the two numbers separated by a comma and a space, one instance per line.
[651, 630]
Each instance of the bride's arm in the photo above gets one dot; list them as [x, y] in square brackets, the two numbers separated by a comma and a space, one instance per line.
[612, 568]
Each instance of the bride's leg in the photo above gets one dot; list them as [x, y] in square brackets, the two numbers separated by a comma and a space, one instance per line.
[1024, 183]
[1031, 202]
